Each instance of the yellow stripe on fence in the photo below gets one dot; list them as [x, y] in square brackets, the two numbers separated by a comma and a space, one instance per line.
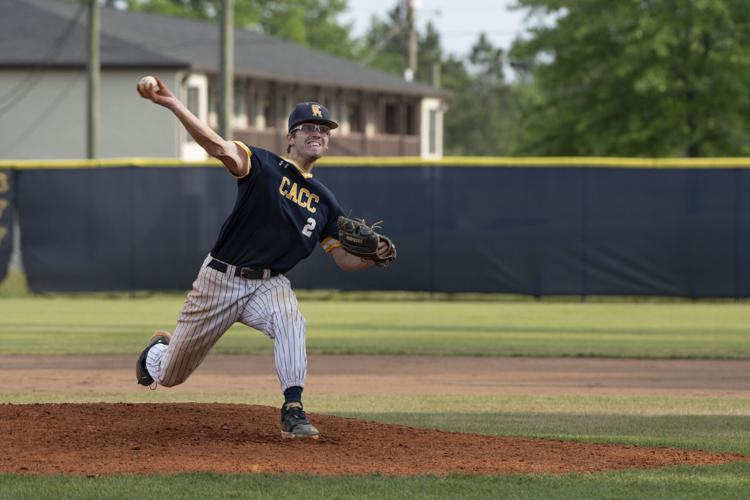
[531, 161]
[103, 163]
[405, 161]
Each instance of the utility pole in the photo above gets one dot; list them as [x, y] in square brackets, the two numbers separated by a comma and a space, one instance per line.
[411, 55]
[93, 81]
[226, 69]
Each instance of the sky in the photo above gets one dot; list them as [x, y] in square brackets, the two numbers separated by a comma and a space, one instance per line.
[459, 22]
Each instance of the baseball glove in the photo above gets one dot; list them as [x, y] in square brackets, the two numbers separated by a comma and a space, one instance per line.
[362, 240]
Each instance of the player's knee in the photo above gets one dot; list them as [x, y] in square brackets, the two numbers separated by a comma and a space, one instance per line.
[301, 326]
[170, 383]
[291, 317]
[173, 379]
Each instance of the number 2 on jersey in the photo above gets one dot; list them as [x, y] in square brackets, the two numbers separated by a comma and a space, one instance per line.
[308, 229]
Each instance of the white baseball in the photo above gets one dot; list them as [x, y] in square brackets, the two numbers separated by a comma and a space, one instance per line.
[147, 82]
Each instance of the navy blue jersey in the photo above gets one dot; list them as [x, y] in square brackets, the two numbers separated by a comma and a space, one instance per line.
[280, 215]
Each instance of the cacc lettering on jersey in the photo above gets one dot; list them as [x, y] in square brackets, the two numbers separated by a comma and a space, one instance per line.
[301, 196]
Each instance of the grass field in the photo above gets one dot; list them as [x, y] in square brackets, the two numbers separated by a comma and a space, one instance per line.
[90, 325]
[731, 481]
[58, 325]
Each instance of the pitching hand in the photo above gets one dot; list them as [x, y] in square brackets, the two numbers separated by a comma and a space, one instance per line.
[163, 96]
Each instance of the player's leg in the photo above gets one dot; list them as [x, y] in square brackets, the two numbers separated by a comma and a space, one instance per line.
[211, 307]
[274, 310]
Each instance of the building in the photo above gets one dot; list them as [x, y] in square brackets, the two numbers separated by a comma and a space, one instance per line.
[43, 88]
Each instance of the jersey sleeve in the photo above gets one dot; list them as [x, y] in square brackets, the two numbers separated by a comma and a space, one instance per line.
[249, 153]
[329, 237]
[258, 158]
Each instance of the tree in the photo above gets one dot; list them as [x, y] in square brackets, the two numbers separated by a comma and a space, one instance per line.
[481, 115]
[384, 45]
[637, 78]
[306, 22]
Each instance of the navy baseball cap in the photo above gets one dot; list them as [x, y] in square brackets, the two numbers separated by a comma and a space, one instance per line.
[310, 112]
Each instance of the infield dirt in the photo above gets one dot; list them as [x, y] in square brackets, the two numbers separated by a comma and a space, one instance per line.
[93, 439]
[107, 438]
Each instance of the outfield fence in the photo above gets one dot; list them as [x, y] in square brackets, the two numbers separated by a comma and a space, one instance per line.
[532, 226]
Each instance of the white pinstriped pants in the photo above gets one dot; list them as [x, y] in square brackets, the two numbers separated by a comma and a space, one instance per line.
[215, 303]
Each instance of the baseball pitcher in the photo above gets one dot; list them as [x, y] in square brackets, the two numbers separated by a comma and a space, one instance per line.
[281, 213]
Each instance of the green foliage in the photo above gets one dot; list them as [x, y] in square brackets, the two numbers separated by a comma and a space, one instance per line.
[482, 112]
[311, 23]
[429, 55]
[384, 45]
[481, 117]
[637, 78]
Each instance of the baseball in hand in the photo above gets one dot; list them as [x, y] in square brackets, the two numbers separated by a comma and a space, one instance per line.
[147, 82]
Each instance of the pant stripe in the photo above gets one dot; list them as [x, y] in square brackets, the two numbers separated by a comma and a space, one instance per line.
[217, 301]
[219, 317]
[189, 331]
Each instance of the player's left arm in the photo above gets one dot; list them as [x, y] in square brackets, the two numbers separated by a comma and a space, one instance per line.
[349, 262]
[344, 260]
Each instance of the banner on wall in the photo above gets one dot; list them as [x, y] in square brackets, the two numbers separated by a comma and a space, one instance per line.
[6, 220]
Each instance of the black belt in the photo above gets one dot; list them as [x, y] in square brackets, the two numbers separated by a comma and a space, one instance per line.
[243, 272]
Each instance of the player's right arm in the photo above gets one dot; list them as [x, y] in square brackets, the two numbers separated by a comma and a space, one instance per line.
[234, 157]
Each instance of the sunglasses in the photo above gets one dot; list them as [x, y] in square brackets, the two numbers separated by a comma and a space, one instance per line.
[309, 128]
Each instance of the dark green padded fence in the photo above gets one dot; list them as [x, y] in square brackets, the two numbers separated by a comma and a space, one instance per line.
[596, 228]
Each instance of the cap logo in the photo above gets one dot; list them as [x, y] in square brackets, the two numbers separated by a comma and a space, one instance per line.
[316, 110]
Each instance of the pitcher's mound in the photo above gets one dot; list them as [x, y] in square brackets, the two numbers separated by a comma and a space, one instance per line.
[168, 438]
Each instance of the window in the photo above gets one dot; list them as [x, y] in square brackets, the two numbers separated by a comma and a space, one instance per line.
[239, 118]
[354, 116]
[391, 119]
[193, 95]
[239, 99]
[286, 107]
[267, 111]
[433, 132]
[193, 103]
[411, 124]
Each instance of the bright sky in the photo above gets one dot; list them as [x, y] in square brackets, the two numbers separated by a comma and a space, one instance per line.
[459, 22]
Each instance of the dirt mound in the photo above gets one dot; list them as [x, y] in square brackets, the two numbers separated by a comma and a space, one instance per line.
[92, 439]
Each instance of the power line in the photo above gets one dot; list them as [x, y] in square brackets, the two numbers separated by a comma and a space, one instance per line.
[55, 102]
[476, 32]
[32, 79]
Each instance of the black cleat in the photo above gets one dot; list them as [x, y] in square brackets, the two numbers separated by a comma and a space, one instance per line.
[294, 423]
[141, 373]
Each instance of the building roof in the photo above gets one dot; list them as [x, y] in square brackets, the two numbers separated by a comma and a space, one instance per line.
[53, 33]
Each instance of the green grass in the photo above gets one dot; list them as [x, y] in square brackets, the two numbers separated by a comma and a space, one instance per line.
[727, 481]
[14, 284]
[730, 434]
[99, 325]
